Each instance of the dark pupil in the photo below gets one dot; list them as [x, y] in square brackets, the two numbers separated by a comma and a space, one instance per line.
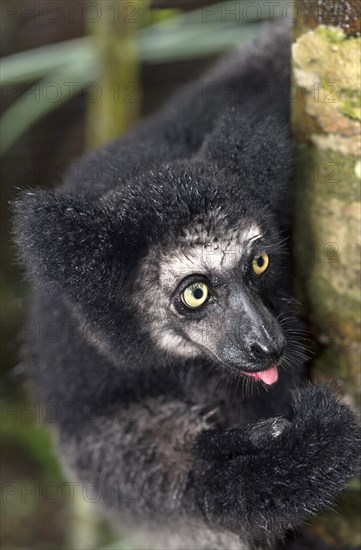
[198, 293]
[260, 261]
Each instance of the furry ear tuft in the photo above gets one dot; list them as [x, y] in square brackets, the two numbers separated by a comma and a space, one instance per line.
[256, 150]
[65, 241]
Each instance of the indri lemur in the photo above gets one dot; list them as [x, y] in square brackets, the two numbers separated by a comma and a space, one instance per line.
[161, 262]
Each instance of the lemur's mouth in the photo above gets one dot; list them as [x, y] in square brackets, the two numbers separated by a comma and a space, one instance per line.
[268, 376]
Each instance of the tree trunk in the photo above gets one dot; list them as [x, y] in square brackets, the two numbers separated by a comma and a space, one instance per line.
[326, 115]
[114, 101]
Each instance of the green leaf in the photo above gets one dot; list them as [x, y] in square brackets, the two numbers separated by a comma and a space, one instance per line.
[43, 98]
[66, 68]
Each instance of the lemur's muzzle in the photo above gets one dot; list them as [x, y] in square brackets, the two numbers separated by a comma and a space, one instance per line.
[253, 340]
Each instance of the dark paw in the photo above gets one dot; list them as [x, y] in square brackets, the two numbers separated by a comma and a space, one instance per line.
[267, 477]
[264, 431]
[249, 438]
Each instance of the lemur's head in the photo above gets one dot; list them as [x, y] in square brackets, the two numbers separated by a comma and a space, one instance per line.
[185, 262]
[208, 292]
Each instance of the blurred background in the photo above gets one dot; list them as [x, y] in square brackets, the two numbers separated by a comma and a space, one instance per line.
[75, 74]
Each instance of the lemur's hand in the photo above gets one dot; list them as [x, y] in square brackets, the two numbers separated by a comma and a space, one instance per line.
[266, 477]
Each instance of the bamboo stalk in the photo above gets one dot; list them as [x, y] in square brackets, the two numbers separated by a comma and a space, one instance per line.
[114, 100]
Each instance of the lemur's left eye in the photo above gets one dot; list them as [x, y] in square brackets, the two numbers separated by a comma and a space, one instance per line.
[195, 295]
[260, 263]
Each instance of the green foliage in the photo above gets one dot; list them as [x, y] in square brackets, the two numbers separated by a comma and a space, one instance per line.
[162, 36]
[18, 429]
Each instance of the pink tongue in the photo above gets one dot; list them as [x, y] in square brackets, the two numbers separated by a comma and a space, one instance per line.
[269, 376]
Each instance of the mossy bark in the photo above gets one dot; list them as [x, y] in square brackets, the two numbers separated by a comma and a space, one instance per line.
[326, 115]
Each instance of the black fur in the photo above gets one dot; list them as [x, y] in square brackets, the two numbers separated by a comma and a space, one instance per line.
[200, 457]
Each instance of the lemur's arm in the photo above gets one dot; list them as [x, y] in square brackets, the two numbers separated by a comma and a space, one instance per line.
[262, 478]
[144, 451]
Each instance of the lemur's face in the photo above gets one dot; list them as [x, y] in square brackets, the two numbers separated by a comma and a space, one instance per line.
[207, 296]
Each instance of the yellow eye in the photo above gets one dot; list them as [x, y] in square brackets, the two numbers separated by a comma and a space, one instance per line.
[260, 263]
[195, 295]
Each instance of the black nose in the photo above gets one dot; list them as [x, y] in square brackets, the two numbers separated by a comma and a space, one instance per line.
[268, 349]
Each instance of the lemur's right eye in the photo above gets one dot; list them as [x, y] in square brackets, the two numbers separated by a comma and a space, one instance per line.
[195, 295]
[260, 263]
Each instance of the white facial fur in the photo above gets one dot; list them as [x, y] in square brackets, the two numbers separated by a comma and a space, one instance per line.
[198, 251]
